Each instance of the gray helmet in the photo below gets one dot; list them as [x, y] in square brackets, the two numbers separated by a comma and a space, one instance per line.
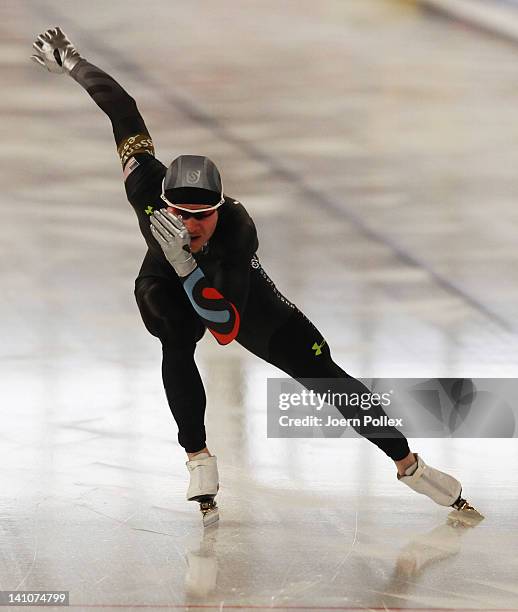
[192, 179]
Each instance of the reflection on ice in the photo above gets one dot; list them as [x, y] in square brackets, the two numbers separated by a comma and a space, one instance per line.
[202, 565]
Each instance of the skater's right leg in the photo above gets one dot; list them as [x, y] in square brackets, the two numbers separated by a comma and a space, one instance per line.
[178, 329]
[169, 316]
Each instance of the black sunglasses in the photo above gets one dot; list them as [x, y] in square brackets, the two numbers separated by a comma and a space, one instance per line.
[195, 215]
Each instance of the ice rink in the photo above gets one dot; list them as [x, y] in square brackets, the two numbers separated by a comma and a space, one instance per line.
[376, 147]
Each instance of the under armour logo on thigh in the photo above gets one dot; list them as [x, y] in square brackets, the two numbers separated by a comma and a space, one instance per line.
[318, 348]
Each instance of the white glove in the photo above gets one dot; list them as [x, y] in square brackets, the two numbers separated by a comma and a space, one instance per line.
[172, 235]
[55, 52]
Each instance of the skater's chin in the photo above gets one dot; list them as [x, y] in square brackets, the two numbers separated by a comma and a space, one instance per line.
[196, 243]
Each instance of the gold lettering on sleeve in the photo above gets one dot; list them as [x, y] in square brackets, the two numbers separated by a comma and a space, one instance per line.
[138, 143]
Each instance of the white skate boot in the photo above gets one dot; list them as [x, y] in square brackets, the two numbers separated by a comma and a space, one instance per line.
[444, 489]
[204, 485]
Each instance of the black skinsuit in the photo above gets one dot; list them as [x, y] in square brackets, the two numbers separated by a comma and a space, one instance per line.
[271, 327]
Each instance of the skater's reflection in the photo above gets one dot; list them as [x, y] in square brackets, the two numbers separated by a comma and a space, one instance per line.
[421, 552]
[202, 565]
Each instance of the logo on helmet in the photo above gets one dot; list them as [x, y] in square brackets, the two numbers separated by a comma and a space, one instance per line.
[193, 177]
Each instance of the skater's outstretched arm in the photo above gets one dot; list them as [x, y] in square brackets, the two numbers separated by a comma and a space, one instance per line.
[54, 51]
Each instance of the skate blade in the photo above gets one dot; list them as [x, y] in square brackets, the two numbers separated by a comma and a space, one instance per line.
[209, 510]
[466, 516]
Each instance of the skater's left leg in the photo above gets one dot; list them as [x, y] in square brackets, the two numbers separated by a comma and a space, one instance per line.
[276, 330]
[403, 464]
[292, 348]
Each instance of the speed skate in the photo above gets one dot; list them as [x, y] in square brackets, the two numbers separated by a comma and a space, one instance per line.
[442, 488]
[204, 485]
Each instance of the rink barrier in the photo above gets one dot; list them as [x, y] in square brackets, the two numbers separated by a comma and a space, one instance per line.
[497, 17]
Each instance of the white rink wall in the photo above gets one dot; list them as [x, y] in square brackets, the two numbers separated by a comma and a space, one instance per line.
[499, 17]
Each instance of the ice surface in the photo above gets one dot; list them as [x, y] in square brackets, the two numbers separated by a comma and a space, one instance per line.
[376, 149]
